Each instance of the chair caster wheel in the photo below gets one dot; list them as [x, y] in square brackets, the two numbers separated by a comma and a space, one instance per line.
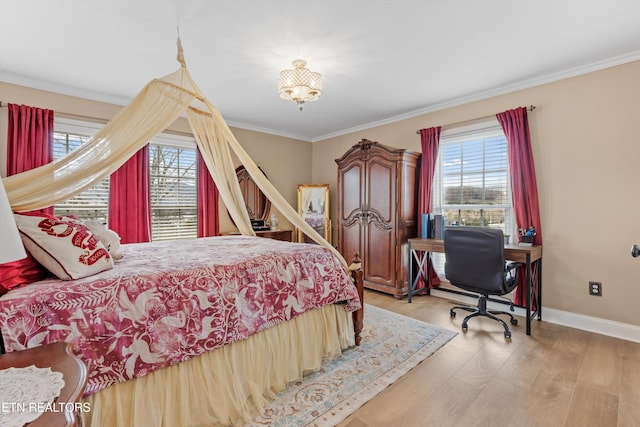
[514, 321]
[507, 334]
[452, 313]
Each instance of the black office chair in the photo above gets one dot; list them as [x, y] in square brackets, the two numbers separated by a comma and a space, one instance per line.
[475, 262]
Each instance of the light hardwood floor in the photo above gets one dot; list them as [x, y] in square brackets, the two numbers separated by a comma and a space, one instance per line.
[558, 376]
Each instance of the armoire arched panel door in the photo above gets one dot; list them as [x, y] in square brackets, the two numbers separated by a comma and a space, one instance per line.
[377, 210]
[257, 204]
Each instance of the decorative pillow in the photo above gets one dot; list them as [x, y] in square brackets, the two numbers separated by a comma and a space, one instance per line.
[109, 238]
[19, 273]
[65, 247]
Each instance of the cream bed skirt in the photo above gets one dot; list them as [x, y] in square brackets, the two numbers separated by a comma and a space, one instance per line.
[229, 385]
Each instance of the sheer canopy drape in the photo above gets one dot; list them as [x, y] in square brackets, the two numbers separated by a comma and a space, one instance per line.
[159, 104]
[130, 199]
[429, 143]
[524, 188]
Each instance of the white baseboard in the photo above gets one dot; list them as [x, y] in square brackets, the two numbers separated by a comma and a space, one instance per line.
[597, 325]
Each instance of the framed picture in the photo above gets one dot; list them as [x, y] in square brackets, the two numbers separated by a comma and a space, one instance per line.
[313, 206]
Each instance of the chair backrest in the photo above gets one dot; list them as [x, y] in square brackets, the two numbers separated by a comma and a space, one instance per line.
[475, 259]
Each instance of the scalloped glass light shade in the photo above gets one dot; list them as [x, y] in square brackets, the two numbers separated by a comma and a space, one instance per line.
[300, 84]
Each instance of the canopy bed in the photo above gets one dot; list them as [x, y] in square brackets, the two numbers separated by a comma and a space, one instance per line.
[193, 332]
[228, 318]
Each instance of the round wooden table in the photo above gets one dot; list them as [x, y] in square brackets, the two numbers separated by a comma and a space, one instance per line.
[59, 358]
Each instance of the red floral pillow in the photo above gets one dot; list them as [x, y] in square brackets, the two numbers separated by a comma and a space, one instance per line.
[65, 247]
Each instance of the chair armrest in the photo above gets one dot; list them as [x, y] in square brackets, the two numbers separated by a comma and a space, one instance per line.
[511, 270]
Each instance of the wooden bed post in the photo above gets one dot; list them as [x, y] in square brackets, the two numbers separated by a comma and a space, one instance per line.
[358, 316]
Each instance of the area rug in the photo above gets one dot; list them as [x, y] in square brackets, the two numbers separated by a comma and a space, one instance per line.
[392, 345]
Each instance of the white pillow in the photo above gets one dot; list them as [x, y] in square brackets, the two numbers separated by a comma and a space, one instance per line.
[65, 247]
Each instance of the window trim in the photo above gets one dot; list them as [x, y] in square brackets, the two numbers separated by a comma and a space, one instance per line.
[89, 129]
[180, 144]
[68, 125]
[65, 125]
[484, 128]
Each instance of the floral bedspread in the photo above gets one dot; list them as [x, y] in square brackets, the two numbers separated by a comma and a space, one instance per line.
[166, 302]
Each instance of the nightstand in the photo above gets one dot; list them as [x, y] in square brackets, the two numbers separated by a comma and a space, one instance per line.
[284, 235]
[59, 358]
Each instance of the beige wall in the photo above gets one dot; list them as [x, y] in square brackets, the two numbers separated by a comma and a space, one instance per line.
[285, 161]
[586, 145]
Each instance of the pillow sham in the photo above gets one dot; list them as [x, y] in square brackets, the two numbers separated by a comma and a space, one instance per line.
[65, 247]
[109, 238]
[19, 273]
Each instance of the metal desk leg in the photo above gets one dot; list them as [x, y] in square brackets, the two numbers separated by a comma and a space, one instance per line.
[528, 293]
[539, 307]
[410, 258]
[424, 270]
[414, 277]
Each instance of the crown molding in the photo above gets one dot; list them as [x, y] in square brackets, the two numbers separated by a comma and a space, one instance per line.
[12, 78]
[48, 86]
[501, 90]
[245, 126]
[16, 79]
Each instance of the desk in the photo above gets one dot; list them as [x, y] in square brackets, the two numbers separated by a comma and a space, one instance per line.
[284, 235]
[523, 254]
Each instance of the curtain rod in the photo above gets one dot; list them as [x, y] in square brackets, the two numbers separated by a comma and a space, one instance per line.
[69, 115]
[529, 108]
[102, 121]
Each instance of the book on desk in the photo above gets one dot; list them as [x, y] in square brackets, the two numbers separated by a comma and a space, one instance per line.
[432, 226]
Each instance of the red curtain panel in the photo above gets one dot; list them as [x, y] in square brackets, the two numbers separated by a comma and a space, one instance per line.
[130, 199]
[29, 140]
[208, 223]
[430, 142]
[29, 145]
[524, 188]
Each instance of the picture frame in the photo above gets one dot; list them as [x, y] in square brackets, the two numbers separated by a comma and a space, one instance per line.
[313, 207]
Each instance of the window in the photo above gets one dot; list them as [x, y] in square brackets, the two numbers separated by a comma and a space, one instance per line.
[91, 203]
[471, 183]
[174, 208]
[172, 167]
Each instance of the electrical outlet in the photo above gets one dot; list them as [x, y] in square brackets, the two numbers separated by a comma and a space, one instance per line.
[595, 288]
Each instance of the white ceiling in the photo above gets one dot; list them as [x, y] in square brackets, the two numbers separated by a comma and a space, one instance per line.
[380, 60]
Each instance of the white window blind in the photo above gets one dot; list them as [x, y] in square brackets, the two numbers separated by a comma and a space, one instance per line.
[91, 203]
[172, 163]
[471, 184]
[174, 209]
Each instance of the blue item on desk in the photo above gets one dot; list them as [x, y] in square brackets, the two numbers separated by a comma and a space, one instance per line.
[425, 231]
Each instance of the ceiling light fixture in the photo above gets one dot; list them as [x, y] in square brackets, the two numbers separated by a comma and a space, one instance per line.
[300, 84]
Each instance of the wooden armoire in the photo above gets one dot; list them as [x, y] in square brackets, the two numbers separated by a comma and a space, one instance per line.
[377, 211]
